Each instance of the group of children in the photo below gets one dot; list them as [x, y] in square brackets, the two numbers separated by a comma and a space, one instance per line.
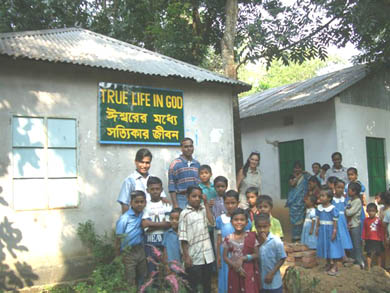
[212, 235]
[338, 222]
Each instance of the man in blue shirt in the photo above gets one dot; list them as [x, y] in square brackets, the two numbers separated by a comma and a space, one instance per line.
[183, 172]
[130, 239]
[271, 254]
[138, 179]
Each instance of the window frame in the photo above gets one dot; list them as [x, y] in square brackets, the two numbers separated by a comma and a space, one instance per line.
[45, 162]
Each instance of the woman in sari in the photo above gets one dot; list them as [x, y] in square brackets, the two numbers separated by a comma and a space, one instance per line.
[298, 183]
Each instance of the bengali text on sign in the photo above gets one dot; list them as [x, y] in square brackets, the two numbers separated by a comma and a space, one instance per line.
[140, 115]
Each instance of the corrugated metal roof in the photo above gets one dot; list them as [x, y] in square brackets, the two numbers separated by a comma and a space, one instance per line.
[84, 47]
[314, 90]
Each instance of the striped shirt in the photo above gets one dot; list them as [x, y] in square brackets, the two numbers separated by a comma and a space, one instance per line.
[193, 228]
[183, 173]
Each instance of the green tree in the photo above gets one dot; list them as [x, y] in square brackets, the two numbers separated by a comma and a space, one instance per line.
[235, 31]
[277, 74]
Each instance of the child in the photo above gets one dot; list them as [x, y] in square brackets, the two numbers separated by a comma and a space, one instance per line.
[155, 219]
[207, 186]
[264, 205]
[251, 196]
[353, 211]
[386, 225]
[329, 245]
[208, 190]
[309, 237]
[313, 188]
[171, 240]
[324, 168]
[271, 254]
[331, 182]
[131, 246]
[316, 167]
[373, 235]
[224, 227]
[195, 240]
[220, 185]
[240, 252]
[353, 177]
[340, 202]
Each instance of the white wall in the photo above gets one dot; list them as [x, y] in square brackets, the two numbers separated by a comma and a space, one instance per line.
[314, 124]
[354, 124]
[59, 90]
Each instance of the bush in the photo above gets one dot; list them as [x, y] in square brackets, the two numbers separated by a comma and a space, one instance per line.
[108, 275]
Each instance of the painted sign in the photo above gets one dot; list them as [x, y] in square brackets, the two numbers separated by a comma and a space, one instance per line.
[140, 115]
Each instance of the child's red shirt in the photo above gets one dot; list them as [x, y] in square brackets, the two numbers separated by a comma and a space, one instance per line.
[372, 229]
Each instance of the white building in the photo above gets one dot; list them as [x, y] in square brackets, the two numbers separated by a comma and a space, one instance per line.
[54, 172]
[346, 111]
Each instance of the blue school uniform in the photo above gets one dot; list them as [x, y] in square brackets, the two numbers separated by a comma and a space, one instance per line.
[307, 239]
[326, 248]
[225, 228]
[342, 228]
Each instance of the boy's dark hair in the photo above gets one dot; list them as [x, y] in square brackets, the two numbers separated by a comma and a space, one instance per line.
[231, 193]
[340, 181]
[137, 193]
[205, 167]
[239, 211]
[356, 187]
[372, 205]
[221, 179]
[337, 153]
[315, 180]
[176, 210]
[262, 217]
[142, 153]
[153, 180]
[325, 167]
[186, 139]
[191, 188]
[332, 179]
[316, 163]
[252, 189]
[265, 198]
[353, 169]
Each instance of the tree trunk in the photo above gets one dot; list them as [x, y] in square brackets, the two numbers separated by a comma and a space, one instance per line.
[230, 69]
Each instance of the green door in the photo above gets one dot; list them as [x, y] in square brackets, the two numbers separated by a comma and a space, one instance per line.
[289, 152]
[376, 164]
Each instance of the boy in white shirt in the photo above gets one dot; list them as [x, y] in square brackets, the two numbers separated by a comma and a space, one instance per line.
[155, 220]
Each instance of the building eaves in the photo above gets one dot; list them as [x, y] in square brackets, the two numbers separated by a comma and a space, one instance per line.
[311, 91]
[83, 47]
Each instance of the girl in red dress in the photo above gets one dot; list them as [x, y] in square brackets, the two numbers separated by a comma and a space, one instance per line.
[240, 252]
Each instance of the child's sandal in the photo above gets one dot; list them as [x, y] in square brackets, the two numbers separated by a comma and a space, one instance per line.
[333, 273]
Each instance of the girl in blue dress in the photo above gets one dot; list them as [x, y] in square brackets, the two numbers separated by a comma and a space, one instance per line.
[308, 236]
[340, 202]
[329, 245]
[224, 227]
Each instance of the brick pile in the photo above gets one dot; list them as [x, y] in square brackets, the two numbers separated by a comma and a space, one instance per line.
[300, 255]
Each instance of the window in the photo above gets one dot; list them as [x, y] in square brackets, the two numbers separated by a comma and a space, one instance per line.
[44, 163]
[376, 163]
[289, 152]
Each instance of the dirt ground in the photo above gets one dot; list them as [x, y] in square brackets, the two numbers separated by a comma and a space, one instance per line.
[350, 280]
